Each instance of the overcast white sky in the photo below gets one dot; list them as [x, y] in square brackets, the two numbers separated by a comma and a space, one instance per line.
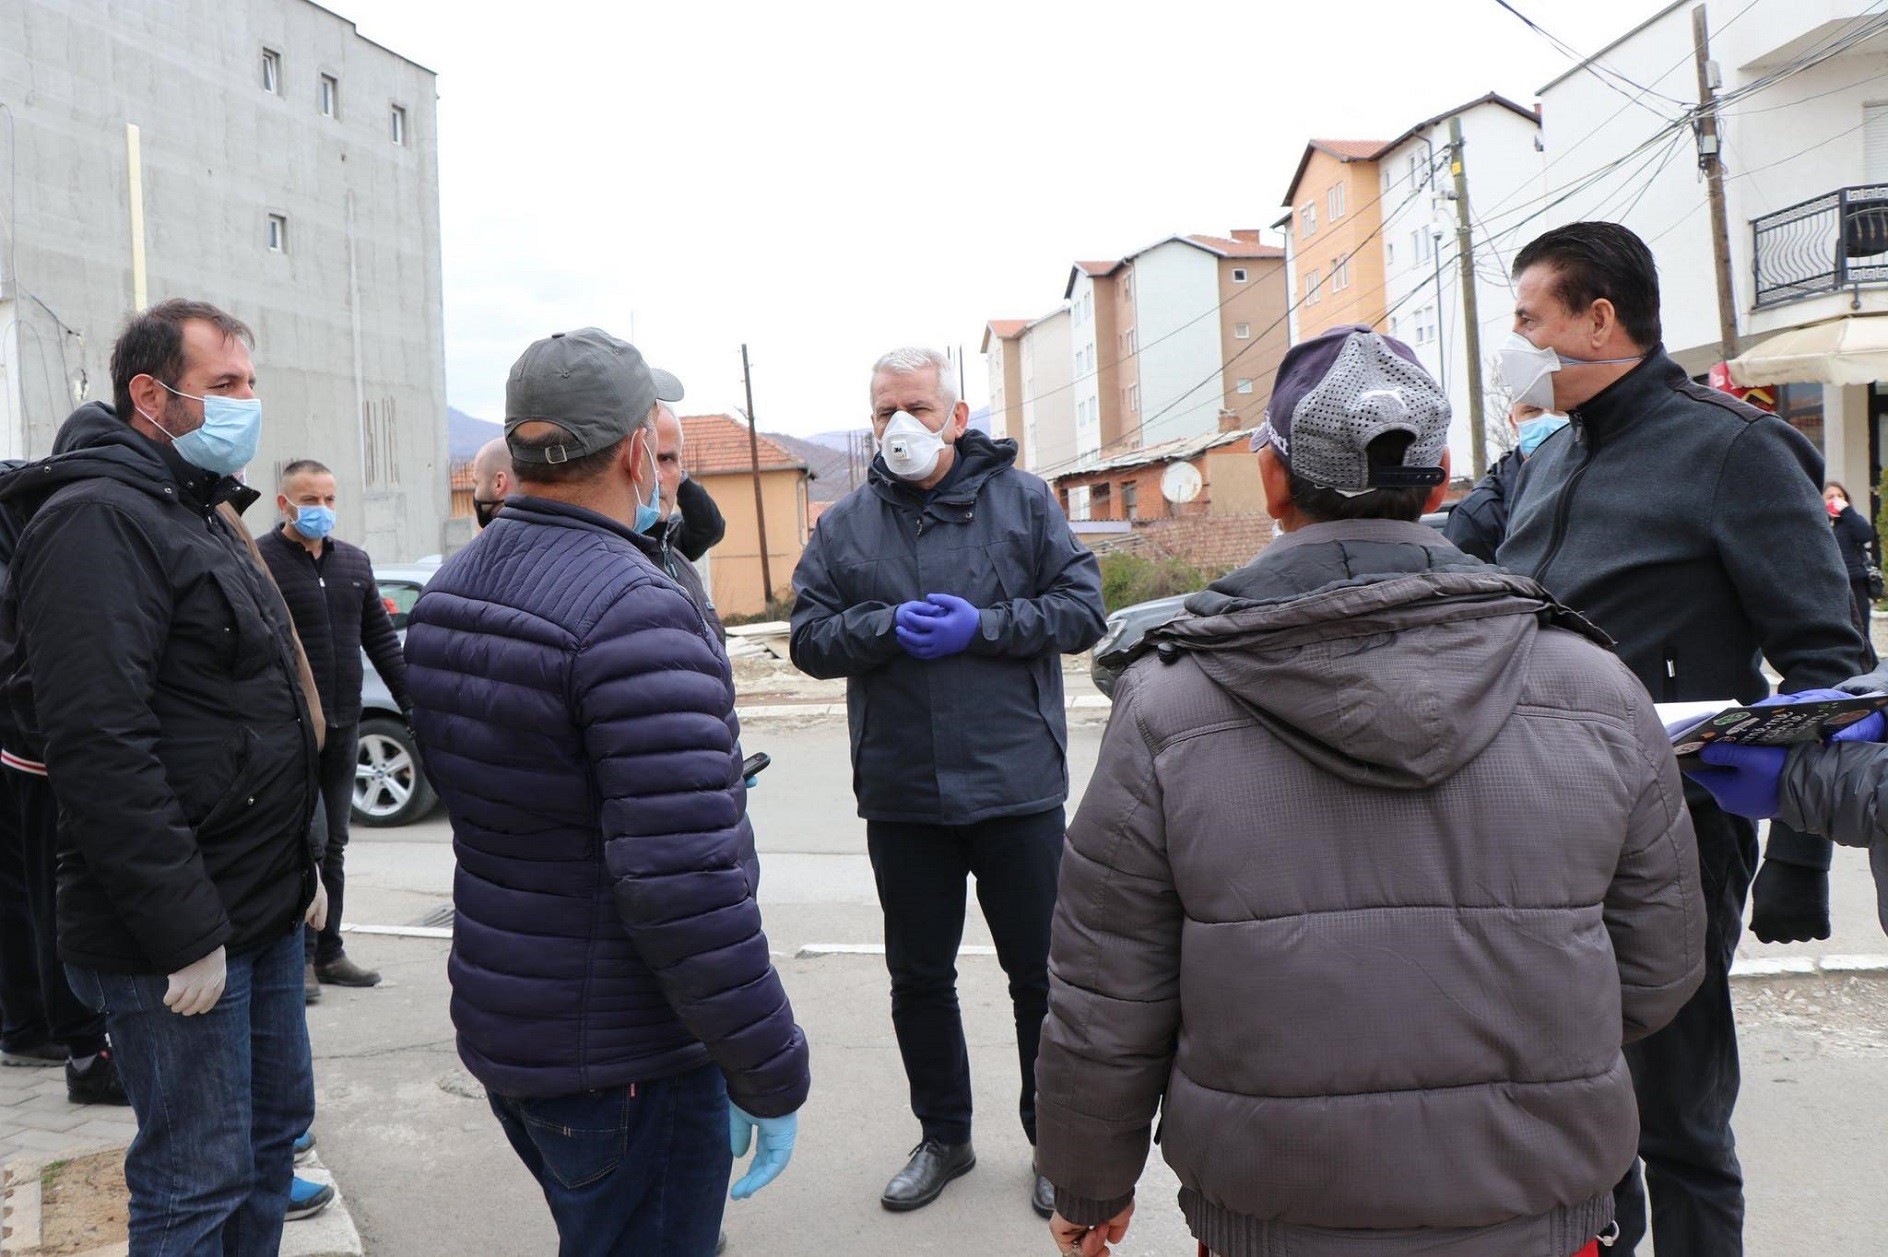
[827, 181]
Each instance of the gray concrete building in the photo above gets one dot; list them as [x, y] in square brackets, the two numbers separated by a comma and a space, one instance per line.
[259, 154]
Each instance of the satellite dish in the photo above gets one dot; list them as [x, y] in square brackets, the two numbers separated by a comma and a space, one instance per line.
[1181, 483]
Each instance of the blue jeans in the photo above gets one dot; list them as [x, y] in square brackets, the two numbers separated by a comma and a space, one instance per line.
[220, 1100]
[634, 1171]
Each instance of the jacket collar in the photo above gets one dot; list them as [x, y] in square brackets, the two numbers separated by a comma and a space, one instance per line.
[522, 508]
[982, 459]
[1628, 399]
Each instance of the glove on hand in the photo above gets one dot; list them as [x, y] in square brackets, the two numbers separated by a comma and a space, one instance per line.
[943, 624]
[1789, 903]
[1743, 779]
[777, 1136]
[197, 986]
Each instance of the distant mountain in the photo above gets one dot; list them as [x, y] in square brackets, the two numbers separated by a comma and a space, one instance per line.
[840, 441]
[829, 466]
[464, 434]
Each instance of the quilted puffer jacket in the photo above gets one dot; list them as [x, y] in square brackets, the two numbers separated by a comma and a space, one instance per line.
[577, 717]
[1379, 868]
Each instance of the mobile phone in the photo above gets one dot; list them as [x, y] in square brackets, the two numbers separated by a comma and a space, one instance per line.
[754, 763]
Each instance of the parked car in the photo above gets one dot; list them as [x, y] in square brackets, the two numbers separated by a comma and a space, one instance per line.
[390, 788]
[1128, 625]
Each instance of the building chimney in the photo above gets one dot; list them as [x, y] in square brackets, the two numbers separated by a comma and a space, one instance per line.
[1248, 234]
[1230, 421]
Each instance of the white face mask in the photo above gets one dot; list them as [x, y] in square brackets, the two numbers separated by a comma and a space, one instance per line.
[910, 449]
[1529, 371]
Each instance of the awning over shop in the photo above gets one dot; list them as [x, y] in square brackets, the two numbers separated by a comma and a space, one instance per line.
[1852, 350]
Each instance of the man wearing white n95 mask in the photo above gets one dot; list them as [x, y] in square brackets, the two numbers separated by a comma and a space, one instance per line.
[945, 590]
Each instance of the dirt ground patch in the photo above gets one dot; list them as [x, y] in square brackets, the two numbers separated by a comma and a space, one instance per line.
[83, 1203]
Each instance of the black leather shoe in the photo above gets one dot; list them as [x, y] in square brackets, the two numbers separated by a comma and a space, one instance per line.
[1042, 1200]
[932, 1166]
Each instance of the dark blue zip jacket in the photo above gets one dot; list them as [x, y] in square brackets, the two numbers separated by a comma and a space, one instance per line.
[577, 717]
[975, 735]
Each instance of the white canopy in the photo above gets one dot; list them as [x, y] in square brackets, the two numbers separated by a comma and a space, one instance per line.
[1849, 350]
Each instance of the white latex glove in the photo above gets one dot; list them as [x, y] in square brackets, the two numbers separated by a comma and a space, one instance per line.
[197, 986]
[317, 917]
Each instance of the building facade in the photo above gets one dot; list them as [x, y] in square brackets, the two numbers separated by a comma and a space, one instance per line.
[1805, 147]
[716, 453]
[258, 154]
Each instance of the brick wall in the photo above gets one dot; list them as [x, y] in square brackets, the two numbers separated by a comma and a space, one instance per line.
[1213, 543]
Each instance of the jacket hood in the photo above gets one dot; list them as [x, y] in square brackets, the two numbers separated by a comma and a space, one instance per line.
[95, 443]
[1372, 647]
[982, 458]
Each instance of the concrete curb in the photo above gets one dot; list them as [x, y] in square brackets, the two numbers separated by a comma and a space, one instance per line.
[330, 1233]
[19, 1215]
[1806, 966]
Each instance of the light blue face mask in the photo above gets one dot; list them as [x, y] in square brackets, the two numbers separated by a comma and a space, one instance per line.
[225, 444]
[1538, 429]
[314, 522]
[647, 513]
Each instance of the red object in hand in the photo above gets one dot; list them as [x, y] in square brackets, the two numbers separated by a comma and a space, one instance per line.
[393, 608]
[1591, 1250]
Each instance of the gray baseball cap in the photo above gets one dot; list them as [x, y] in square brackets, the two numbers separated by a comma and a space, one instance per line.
[668, 388]
[595, 387]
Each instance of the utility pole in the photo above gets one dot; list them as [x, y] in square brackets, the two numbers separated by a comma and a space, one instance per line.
[760, 507]
[1710, 162]
[1471, 318]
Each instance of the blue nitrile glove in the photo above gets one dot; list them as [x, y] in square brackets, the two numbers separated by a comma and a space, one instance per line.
[775, 1150]
[946, 630]
[1872, 728]
[751, 782]
[911, 620]
[1743, 779]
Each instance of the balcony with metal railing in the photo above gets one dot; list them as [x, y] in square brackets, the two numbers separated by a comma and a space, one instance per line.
[1833, 243]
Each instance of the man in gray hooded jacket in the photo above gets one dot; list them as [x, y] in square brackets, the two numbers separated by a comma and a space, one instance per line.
[1384, 858]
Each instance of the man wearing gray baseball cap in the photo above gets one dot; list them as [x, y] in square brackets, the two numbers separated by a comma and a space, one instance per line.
[612, 988]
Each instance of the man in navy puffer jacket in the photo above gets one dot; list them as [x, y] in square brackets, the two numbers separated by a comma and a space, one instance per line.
[611, 985]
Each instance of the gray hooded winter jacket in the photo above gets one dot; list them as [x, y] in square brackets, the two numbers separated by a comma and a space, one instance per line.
[1378, 869]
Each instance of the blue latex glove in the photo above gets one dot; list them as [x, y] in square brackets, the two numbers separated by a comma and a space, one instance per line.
[1743, 779]
[1873, 728]
[775, 1149]
[946, 629]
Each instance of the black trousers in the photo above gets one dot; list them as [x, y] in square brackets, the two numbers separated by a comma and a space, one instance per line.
[37, 1005]
[920, 870]
[1687, 1078]
[337, 808]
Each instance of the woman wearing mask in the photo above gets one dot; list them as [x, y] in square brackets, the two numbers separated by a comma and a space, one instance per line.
[1857, 540]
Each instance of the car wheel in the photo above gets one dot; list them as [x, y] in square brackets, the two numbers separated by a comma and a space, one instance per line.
[389, 788]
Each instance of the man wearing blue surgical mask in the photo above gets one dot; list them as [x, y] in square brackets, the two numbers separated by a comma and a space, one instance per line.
[1479, 521]
[153, 665]
[1691, 528]
[330, 590]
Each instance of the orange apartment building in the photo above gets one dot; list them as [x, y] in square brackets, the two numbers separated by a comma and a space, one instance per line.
[1334, 237]
[715, 451]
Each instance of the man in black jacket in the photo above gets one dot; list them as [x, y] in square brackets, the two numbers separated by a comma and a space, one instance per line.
[691, 523]
[946, 591]
[330, 590]
[157, 660]
[1687, 525]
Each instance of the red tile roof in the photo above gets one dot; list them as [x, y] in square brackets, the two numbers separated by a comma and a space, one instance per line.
[1097, 269]
[715, 445]
[1237, 248]
[1005, 329]
[1343, 150]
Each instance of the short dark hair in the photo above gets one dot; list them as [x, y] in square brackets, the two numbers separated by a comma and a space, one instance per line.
[303, 467]
[583, 468]
[1320, 505]
[1594, 260]
[153, 344]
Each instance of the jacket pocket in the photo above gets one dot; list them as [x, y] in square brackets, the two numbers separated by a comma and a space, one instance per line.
[247, 645]
[205, 810]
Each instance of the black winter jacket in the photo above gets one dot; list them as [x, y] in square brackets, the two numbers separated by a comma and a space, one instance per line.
[976, 735]
[1480, 520]
[696, 527]
[163, 679]
[338, 611]
[1856, 539]
[1690, 526]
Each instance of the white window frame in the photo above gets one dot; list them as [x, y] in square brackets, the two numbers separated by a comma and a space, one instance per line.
[1308, 220]
[1335, 202]
[1314, 287]
[396, 124]
[328, 95]
[276, 237]
[271, 71]
[1238, 274]
[1340, 274]
[1242, 386]
[1389, 253]
[1242, 331]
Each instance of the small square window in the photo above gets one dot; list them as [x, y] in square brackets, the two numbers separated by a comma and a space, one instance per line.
[1389, 252]
[1244, 386]
[330, 96]
[271, 71]
[1239, 275]
[396, 124]
[1242, 331]
[278, 233]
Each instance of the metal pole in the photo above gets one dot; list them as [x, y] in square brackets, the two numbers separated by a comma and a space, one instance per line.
[1709, 161]
[1471, 319]
[760, 508]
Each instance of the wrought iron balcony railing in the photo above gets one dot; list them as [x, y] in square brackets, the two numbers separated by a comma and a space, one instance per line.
[1830, 244]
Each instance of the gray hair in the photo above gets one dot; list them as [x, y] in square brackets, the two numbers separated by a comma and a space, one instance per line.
[913, 359]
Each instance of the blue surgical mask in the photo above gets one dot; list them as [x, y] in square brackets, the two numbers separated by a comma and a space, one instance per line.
[314, 522]
[225, 444]
[647, 513]
[1538, 429]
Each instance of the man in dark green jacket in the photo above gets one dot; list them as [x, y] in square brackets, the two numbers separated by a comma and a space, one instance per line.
[1690, 527]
